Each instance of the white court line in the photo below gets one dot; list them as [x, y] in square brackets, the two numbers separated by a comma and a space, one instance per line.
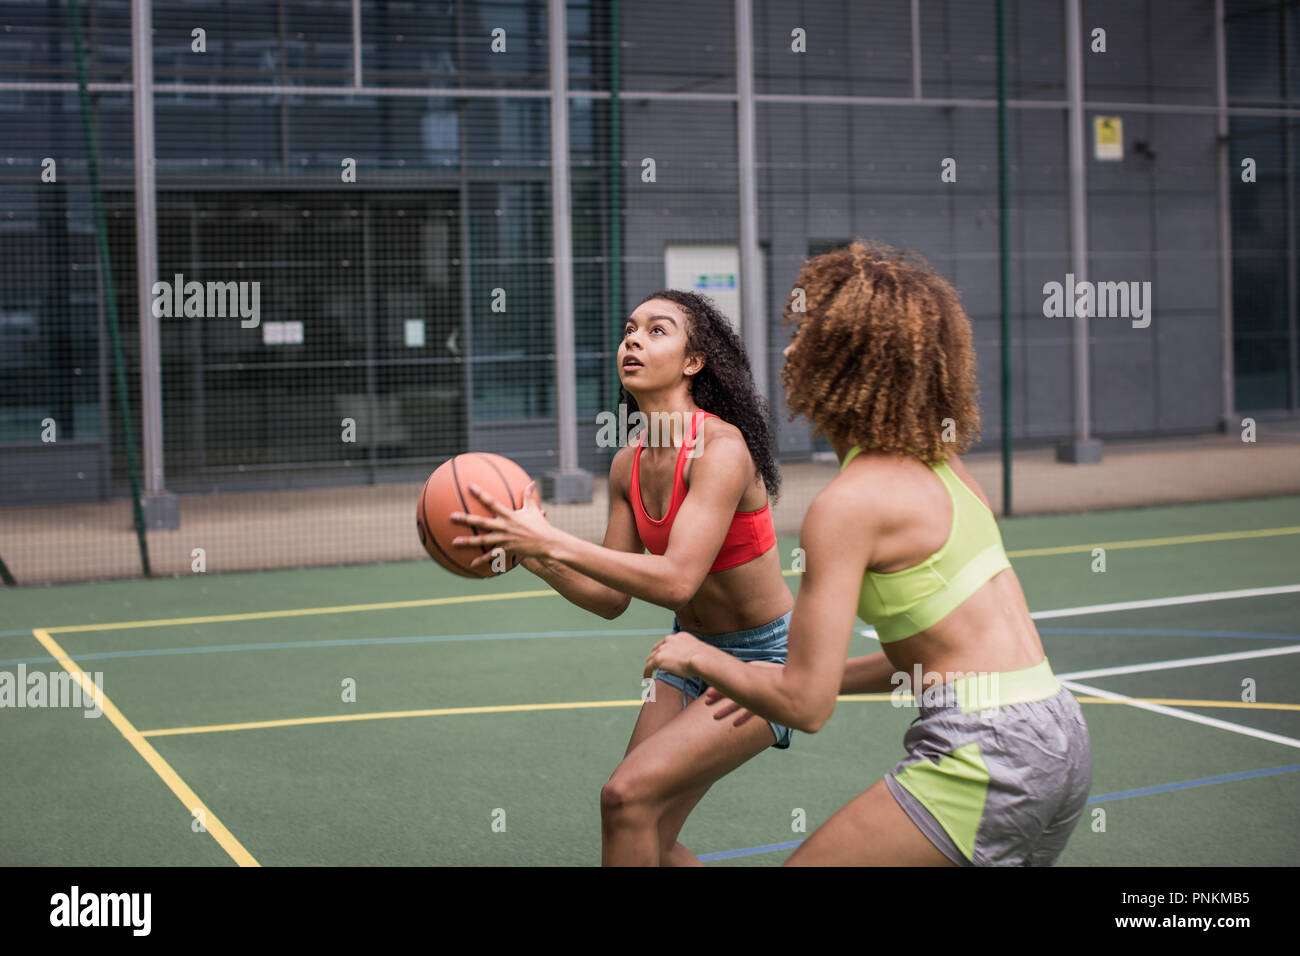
[1163, 665]
[1184, 715]
[1166, 602]
[1150, 602]
[1182, 662]
[1186, 662]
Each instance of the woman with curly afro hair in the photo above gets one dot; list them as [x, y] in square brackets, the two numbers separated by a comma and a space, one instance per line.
[704, 465]
[998, 763]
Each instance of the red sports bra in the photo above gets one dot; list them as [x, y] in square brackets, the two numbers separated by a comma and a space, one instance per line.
[750, 535]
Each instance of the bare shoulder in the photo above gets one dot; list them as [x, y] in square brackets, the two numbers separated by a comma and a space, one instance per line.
[620, 470]
[963, 474]
[714, 431]
[858, 489]
[845, 515]
[721, 443]
[905, 489]
[869, 494]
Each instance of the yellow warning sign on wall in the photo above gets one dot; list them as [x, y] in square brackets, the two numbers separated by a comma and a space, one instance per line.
[1108, 137]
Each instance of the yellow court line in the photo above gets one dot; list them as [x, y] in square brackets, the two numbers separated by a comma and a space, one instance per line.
[584, 705]
[1155, 542]
[1170, 701]
[1143, 543]
[509, 595]
[549, 592]
[297, 612]
[388, 715]
[1175, 702]
[155, 760]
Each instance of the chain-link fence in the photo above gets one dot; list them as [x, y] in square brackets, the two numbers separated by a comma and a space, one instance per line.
[354, 273]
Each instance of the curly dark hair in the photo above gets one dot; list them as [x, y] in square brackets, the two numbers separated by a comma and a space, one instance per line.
[725, 385]
[882, 356]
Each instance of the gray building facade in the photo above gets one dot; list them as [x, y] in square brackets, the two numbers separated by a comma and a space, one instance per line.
[417, 299]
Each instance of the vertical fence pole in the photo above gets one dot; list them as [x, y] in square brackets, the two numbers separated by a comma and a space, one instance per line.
[753, 307]
[1004, 259]
[110, 294]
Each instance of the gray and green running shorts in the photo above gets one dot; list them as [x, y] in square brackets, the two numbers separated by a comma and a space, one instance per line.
[998, 768]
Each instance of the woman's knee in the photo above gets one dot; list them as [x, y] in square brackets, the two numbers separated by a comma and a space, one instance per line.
[626, 798]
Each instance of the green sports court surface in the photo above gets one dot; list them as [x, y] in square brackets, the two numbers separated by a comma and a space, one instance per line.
[488, 715]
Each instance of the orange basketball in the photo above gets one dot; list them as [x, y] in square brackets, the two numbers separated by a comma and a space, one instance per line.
[447, 490]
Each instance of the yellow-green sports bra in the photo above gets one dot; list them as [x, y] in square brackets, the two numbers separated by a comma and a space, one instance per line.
[899, 604]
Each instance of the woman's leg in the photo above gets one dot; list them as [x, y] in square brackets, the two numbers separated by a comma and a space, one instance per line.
[656, 713]
[650, 793]
[870, 830]
[664, 704]
[672, 853]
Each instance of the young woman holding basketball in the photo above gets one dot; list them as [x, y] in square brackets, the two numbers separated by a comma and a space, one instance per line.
[999, 764]
[713, 560]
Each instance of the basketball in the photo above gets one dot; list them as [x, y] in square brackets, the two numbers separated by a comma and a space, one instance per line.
[447, 490]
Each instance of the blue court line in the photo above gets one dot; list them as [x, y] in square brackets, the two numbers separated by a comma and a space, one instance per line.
[344, 642]
[1166, 787]
[727, 854]
[1102, 798]
[361, 641]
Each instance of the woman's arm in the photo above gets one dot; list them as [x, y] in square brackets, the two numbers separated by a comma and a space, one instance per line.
[719, 477]
[871, 674]
[620, 535]
[578, 588]
[802, 693]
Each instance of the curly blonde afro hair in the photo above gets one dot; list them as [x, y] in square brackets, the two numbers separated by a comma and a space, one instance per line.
[882, 354]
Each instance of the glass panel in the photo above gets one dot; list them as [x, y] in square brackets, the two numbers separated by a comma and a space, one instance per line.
[37, 43]
[1259, 265]
[454, 44]
[285, 43]
[1251, 31]
[848, 49]
[511, 302]
[690, 49]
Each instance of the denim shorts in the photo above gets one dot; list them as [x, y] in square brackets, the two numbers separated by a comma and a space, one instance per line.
[766, 642]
